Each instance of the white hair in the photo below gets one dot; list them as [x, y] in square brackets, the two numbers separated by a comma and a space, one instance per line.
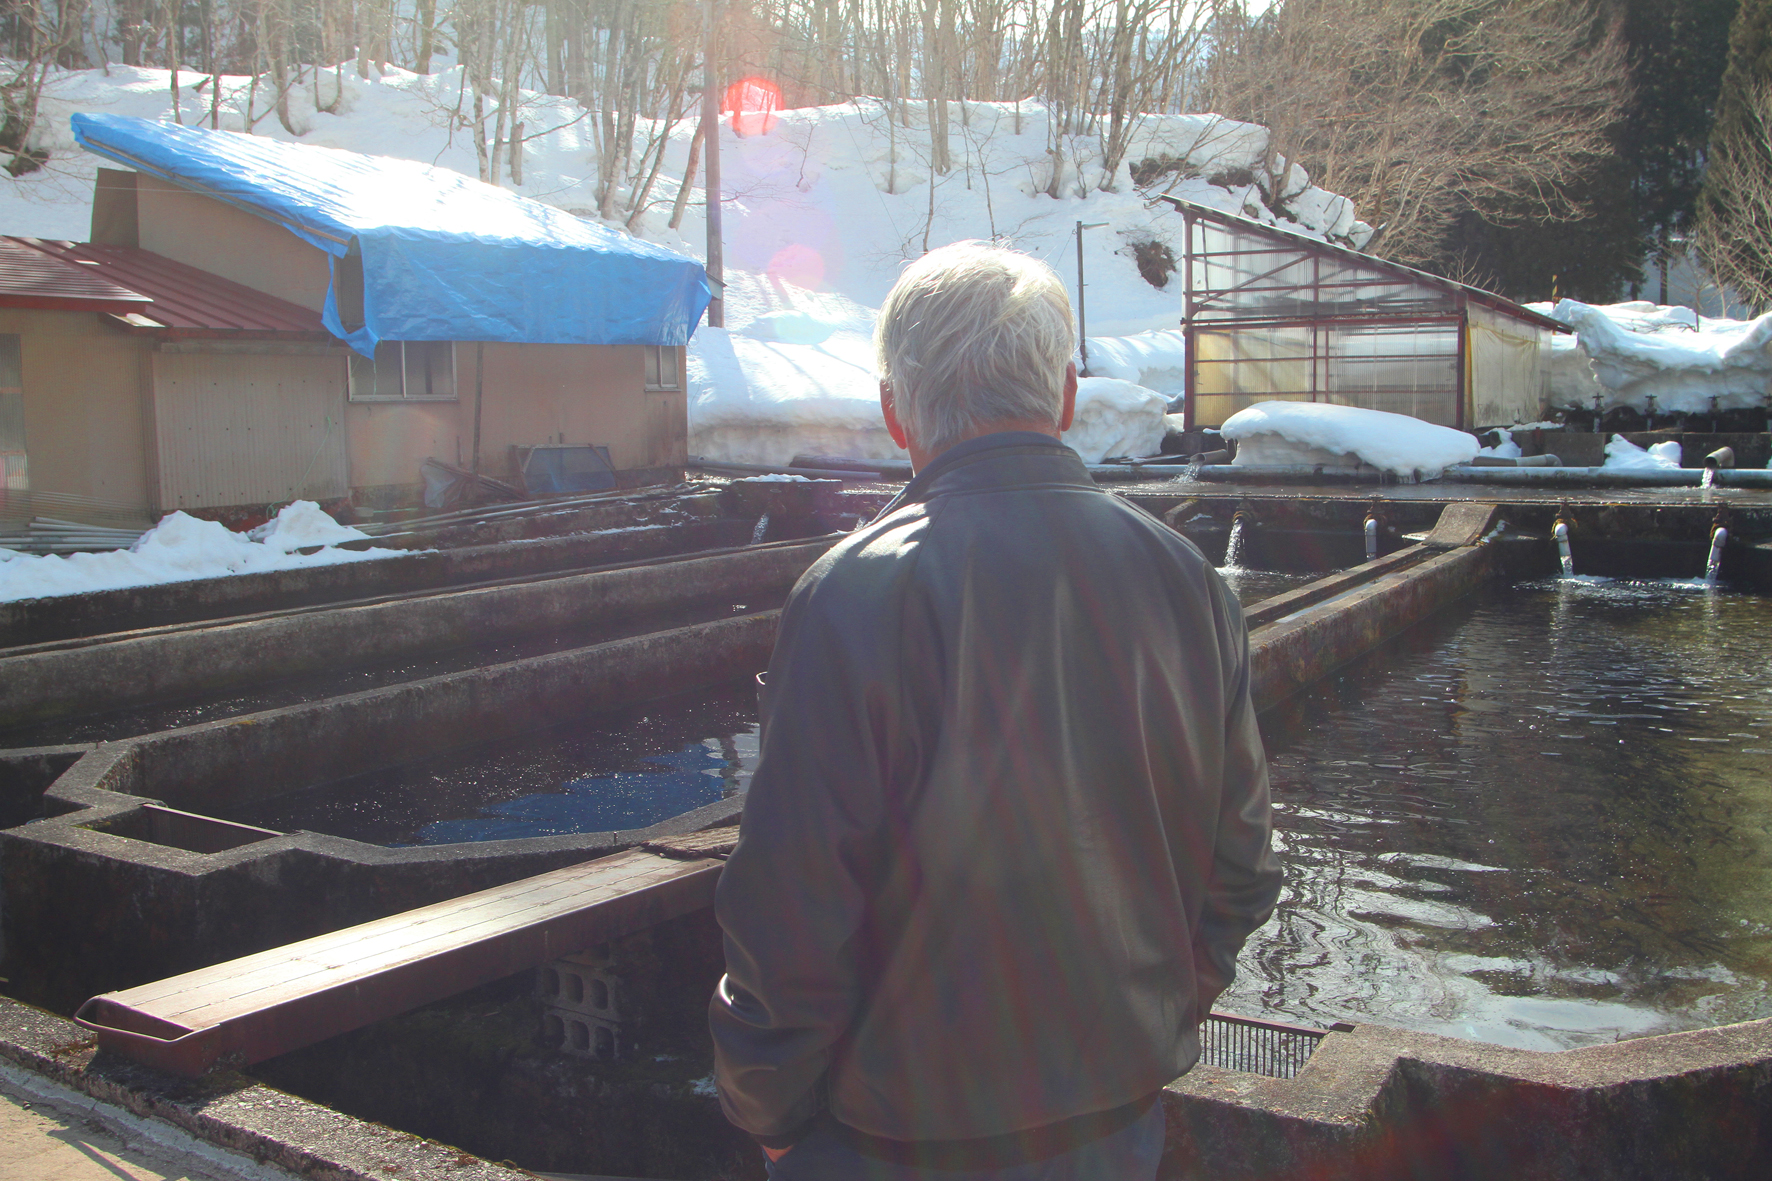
[970, 335]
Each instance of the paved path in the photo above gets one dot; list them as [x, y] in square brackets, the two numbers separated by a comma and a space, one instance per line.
[48, 1133]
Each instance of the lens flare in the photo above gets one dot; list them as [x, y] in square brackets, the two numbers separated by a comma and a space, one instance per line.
[752, 103]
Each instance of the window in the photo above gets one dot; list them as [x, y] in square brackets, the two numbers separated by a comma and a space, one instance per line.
[661, 367]
[15, 474]
[405, 371]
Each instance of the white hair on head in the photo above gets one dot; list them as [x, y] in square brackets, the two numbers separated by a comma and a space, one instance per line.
[970, 335]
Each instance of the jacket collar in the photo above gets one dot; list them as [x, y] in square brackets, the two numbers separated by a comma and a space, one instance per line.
[1007, 459]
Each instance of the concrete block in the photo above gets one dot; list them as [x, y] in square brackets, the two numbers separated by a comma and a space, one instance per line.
[1463, 523]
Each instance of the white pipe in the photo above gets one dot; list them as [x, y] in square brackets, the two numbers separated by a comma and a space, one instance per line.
[1371, 538]
[1718, 539]
[1561, 533]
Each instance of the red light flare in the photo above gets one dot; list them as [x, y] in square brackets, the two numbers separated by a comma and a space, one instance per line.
[752, 103]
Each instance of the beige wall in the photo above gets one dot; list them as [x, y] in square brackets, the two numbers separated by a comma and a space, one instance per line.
[534, 393]
[90, 432]
[214, 237]
[83, 383]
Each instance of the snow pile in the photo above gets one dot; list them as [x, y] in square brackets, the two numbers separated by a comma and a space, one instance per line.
[180, 548]
[1505, 449]
[1628, 352]
[300, 524]
[1156, 360]
[1317, 432]
[1115, 417]
[820, 215]
[1622, 454]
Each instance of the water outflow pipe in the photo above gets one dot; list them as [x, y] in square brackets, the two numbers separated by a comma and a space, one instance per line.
[1242, 523]
[1719, 537]
[1561, 533]
[1371, 538]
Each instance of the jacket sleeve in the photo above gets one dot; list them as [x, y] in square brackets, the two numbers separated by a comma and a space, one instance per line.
[1245, 882]
[793, 893]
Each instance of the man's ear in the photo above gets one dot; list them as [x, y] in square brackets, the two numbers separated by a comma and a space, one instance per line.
[1068, 409]
[889, 412]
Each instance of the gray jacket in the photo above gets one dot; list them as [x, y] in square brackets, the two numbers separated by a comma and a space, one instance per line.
[1009, 825]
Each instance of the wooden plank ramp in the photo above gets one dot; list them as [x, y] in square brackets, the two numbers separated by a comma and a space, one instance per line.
[272, 1002]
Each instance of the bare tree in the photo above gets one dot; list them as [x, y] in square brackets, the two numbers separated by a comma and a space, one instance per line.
[1734, 231]
[1421, 109]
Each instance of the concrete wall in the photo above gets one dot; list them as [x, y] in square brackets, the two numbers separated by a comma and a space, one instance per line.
[83, 383]
[1381, 1104]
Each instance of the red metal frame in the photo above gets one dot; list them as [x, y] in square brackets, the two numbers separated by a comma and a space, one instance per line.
[1198, 314]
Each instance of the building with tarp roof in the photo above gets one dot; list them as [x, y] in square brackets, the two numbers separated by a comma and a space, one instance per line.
[1273, 315]
[256, 321]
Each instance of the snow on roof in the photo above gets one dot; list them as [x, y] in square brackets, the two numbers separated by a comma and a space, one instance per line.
[444, 256]
[1390, 442]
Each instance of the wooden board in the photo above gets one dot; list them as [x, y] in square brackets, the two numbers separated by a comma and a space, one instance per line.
[262, 1005]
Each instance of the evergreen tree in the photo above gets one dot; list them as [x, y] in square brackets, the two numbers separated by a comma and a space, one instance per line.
[1641, 198]
[1735, 209]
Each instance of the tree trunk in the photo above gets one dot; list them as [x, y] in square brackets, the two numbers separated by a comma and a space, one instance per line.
[688, 175]
[427, 20]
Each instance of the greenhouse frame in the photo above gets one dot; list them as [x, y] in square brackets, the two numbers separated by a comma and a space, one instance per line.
[1272, 315]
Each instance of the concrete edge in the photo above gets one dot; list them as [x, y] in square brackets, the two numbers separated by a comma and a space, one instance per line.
[1378, 1102]
[231, 1112]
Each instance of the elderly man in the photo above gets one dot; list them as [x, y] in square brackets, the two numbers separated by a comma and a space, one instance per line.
[1010, 825]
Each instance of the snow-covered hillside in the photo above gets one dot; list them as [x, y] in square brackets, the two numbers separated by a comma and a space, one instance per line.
[821, 211]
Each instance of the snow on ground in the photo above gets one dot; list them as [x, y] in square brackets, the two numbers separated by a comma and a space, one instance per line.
[820, 214]
[1623, 454]
[182, 547]
[1319, 433]
[1629, 352]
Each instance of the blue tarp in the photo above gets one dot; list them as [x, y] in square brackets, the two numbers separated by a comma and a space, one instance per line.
[444, 256]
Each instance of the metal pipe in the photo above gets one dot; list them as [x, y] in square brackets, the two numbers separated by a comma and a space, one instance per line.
[1605, 477]
[710, 121]
[1371, 538]
[721, 465]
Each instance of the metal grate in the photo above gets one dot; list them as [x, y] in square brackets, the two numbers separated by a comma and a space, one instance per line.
[1273, 1048]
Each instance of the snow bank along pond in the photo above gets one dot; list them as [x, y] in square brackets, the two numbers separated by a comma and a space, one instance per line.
[1522, 811]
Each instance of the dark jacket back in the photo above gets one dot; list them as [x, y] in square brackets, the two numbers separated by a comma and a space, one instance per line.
[1009, 824]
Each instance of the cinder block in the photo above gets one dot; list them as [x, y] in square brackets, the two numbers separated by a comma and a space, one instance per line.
[579, 984]
[583, 1035]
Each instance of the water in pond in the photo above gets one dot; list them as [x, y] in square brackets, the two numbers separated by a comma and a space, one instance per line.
[621, 770]
[1541, 819]
[1252, 586]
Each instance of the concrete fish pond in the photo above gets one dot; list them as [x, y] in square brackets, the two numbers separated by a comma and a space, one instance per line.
[618, 771]
[455, 954]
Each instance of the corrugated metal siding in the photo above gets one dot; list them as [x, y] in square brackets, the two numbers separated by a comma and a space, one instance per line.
[248, 428]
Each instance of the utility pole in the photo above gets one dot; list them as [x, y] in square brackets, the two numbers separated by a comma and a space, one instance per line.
[710, 122]
[1082, 340]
